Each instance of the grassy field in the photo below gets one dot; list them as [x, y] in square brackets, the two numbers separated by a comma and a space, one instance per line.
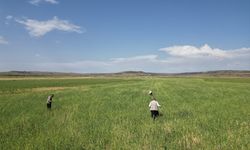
[113, 113]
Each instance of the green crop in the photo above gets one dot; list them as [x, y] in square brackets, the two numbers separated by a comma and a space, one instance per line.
[112, 113]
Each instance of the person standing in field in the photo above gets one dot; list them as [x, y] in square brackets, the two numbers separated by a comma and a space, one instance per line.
[49, 101]
[153, 105]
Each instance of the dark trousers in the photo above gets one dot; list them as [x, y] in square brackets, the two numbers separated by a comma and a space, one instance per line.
[48, 105]
[154, 113]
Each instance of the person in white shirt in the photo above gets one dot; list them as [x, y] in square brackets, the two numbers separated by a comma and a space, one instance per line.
[153, 105]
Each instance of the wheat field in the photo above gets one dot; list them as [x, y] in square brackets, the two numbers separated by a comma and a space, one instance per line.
[112, 113]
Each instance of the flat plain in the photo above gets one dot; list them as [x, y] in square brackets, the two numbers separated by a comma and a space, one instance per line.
[113, 113]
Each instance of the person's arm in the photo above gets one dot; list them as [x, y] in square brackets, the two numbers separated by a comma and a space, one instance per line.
[149, 104]
[158, 104]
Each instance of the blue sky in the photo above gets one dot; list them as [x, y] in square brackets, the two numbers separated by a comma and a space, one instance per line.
[118, 35]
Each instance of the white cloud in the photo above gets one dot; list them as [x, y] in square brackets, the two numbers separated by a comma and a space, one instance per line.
[37, 55]
[190, 58]
[3, 40]
[135, 58]
[235, 59]
[52, 1]
[191, 51]
[37, 2]
[86, 66]
[9, 17]
[39, 28]
[207, 59]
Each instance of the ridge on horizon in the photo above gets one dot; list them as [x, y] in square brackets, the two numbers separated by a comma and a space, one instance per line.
[131, 72]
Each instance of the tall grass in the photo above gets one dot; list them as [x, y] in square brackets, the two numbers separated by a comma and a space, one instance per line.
[211, 113]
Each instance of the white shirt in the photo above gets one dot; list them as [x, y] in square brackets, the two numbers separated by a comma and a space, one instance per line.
[154, 105]
[49, 100]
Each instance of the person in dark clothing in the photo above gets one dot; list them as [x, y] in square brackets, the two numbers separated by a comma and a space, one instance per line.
[49, 101]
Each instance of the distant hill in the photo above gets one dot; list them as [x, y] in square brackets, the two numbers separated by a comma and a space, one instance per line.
[227, 73]
[37, 73]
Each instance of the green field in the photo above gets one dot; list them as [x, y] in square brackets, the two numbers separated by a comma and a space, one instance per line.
[112, 113]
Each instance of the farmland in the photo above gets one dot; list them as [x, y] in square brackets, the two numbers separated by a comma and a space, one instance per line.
[112, 113]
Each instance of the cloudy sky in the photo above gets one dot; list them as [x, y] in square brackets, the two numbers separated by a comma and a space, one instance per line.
[120, 35]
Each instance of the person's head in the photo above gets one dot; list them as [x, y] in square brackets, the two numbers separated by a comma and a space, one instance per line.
[52, 95]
